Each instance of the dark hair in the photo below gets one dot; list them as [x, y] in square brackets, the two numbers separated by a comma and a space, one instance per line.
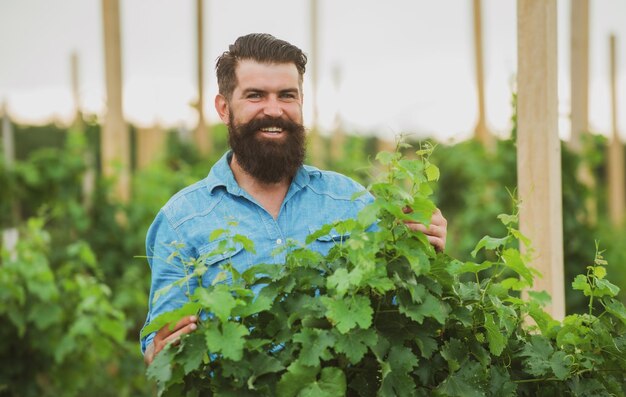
[259, 47]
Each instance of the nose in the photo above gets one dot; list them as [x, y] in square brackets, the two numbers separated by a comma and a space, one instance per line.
[273, 108]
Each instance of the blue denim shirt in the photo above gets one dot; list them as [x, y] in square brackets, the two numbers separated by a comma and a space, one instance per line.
[315, 198]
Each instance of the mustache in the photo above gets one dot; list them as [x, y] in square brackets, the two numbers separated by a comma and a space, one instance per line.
[254, 125]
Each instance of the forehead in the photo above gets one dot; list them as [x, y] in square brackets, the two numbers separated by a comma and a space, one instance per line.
[266, 76]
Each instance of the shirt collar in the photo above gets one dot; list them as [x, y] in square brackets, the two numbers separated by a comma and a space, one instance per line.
[222, 175]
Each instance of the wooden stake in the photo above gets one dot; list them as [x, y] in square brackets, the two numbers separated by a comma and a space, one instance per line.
[338, 138]
[481, 132]
[538, 146]
[78, 118]
[114, 138]
[616, 152]
[202, 134]
[579, 70]
[579, 65]
[315, 141]
[10, 234]
[150, 145]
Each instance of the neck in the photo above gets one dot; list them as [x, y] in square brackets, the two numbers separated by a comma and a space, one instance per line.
[269, 195]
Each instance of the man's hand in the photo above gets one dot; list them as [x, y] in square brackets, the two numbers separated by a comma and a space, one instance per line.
[436, 232]
[166, 335]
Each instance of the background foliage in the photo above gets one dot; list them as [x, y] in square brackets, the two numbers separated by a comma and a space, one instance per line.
[77, 267]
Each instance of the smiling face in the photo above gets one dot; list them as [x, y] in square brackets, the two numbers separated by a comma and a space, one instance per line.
[264, 118]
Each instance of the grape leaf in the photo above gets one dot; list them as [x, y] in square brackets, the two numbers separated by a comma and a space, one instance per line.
[229, 340]
[347, 313]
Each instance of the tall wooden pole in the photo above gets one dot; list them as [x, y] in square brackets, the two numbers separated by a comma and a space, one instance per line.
[202, 133]
[579, 67]
[10, 233]
[114, 138]
[315, 141]
[616, 151]
[338, 138]
[538, 146]
[481, 132]
[579, 79]
[75, 78]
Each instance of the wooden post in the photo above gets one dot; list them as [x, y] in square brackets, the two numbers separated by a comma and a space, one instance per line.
[202, 133]
[579, 79]
[10, 234]
[579, 66]
[481, 132]
[315, 140]
[75, 78]
[538, 146]
[616, 151]
[338, 138]
[150, 145]
[114, 138]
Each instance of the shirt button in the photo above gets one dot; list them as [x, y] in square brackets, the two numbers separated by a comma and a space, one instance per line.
[279, 242]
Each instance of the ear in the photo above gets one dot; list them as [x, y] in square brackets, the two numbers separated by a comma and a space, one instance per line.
[221, 105]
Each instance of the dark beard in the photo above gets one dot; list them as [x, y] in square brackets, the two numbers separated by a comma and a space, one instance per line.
[267, 160]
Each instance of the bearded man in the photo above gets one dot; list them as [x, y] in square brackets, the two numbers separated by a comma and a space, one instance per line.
[259, 189]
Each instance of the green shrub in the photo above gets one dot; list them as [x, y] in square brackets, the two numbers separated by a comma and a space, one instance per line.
[383, 314]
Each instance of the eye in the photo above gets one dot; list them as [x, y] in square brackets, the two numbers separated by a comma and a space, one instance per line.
[253, 95]
[288, 95]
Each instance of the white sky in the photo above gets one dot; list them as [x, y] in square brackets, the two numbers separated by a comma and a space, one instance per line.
[405, 65]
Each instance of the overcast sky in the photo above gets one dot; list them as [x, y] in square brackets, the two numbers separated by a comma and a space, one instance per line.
[404, 65]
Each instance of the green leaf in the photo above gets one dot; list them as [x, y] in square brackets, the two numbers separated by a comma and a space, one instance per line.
[247, 244]
[455, 353]
[314, 345]
[432, 172]
[369, 214]
[537, 353]
[500, 383]
[559, 364]
[418, 259]
[497, 341]
[580, 283]
[616, 308]
[193, 351]
[605, 288]
[457, 267]
[508, 219]
[295, 379]
[332, 383]
[426, 343]
[489, 243]
[513, 260]
[172, 317]
[355, 344]
[346, 313]
[430, 307]
[229, 340]
[463, 383]
[217, 233]
[263, 364]
[385, 158]
[218, 300]
[542, 298]
[160, 369]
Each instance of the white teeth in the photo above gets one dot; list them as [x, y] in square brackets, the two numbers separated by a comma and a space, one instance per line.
[272, 129]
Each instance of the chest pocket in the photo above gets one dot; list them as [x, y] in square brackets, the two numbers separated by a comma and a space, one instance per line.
[217, 253]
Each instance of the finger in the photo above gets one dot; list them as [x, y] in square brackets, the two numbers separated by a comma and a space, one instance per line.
[173, 337]
[437, 242]
[416, 227]
[432, 230]
[438, 218]
[166, 330]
